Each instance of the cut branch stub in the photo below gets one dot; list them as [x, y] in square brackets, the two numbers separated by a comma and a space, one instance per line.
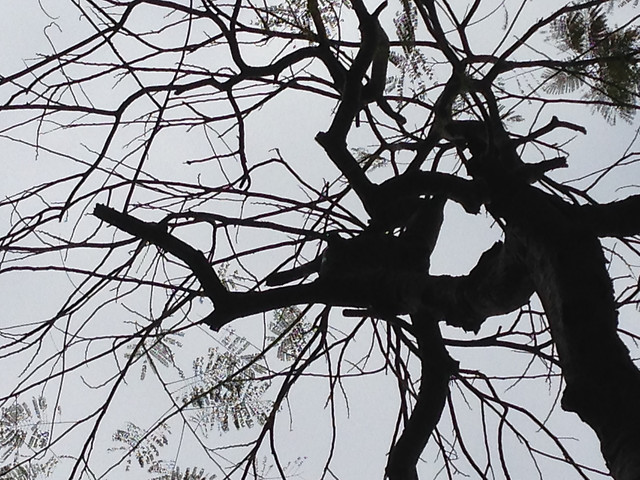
[156, 234]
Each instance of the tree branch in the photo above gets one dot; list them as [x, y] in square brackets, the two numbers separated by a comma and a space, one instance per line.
[436, 370]
[156, 234]
[499, 284]
[615, 219]
[552, 125]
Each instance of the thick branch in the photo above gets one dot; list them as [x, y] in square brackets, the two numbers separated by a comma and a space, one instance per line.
[335, 146]
[499, 284]
[334, 140]
[615, 219]
[296, 273]
[393, 199]
[156, 234]
[436, 370]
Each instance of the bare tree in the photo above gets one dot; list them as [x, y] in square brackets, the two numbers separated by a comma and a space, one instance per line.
[292, 164]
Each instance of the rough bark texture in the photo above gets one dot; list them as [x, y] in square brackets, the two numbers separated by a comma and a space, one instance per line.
[499, 284]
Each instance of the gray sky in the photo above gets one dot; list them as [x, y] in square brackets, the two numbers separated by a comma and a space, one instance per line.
[364, 438]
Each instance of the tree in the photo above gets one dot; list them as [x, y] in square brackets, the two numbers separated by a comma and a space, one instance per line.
[163, 206]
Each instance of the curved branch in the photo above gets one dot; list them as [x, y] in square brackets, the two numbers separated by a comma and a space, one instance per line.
[156, 233]
[334, 140]
[436, 370]
[499, 284]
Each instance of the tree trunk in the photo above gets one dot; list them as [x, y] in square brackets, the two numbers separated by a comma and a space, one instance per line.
[569, 272]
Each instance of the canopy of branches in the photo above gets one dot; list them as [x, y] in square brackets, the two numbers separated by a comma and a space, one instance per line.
[229, 226]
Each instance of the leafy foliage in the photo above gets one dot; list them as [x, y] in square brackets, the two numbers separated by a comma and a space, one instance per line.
[295, 16]
[226, 389]
[602, 58]
[156, 348]
[24, 425]
[414, 68]
[175, 473]
[231, 280]
[369, 160]
[140, 444]
[32, 470]
[264, 471]
[287, 325]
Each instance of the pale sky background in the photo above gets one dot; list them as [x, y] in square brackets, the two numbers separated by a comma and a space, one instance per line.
[363, 438]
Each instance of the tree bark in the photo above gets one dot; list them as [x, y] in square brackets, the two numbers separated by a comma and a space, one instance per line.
[437, 367]
[568, 269]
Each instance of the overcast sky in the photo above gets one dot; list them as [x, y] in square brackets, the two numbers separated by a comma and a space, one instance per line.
[364, 438]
